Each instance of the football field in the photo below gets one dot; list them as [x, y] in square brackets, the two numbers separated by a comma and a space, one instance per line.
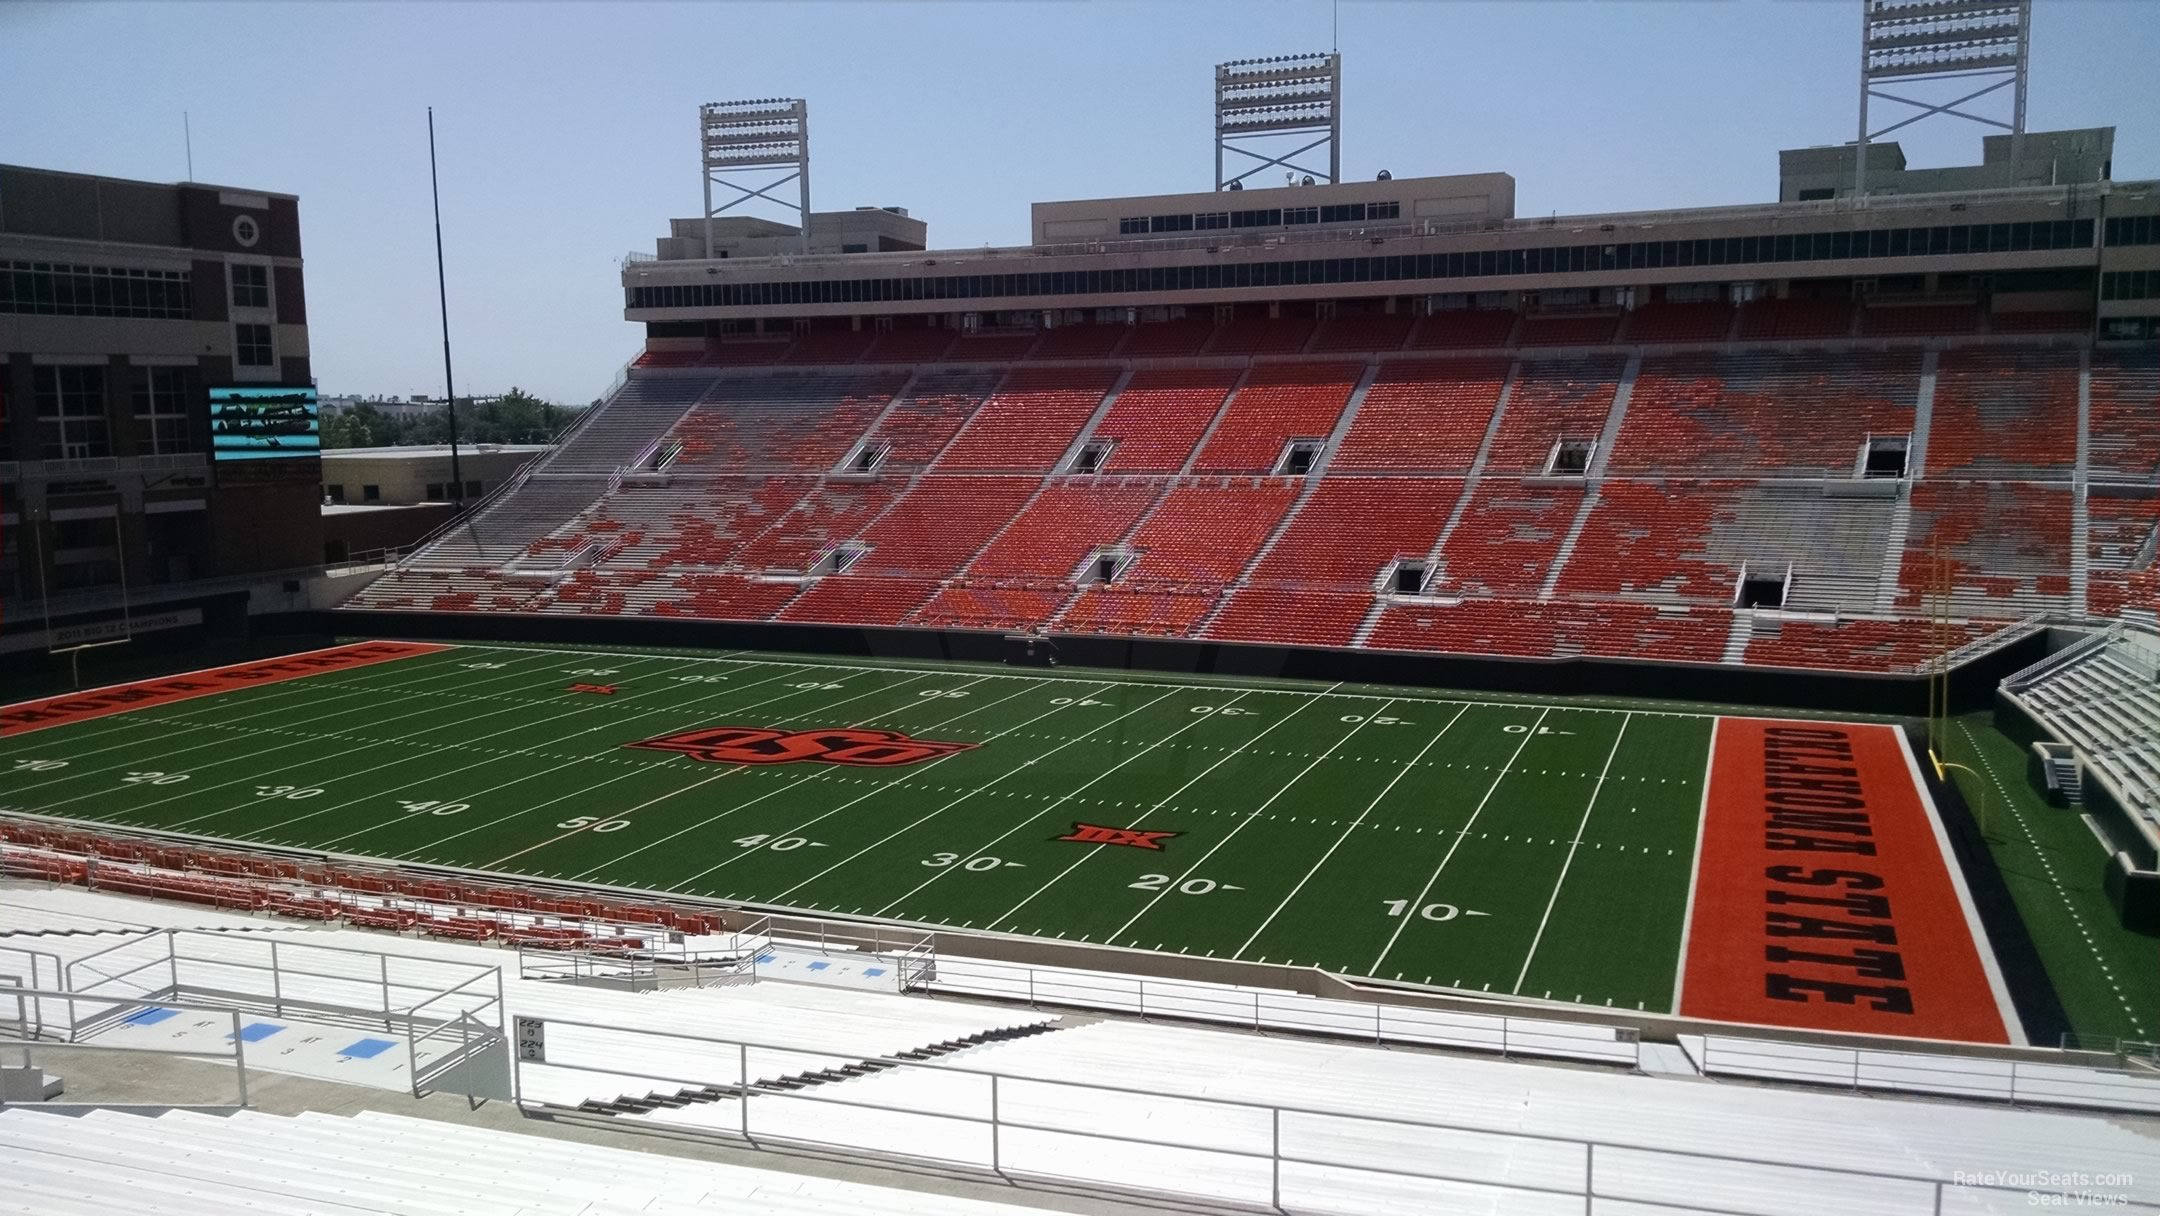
[1540, 850]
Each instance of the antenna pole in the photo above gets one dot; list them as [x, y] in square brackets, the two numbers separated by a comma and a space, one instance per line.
[187, 132]
[442, 297]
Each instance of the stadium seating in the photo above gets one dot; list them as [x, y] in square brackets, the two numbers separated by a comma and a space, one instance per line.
[1787, 320]
[2003, 548]
[2125, 429]
[1317, 583]
[1475, 330]
[1505, 543]
[1277, 403]
[2004, 412]
[922, 422]
[1763, 412]
[1423, 414]
[1257, 336]
[721, 496]
[802, 421]
[1372, 331]
[1030, 420]
[1567, 329]
[1160, 415]
[1661, 324]
[1552, 400]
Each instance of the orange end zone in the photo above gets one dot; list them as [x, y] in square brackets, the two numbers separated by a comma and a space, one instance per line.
[1823, 894]
[119, 698]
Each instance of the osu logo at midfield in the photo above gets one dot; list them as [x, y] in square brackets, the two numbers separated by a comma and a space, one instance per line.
[833, 745]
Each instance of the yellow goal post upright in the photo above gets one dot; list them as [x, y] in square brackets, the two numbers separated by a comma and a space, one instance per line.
[1943, 639]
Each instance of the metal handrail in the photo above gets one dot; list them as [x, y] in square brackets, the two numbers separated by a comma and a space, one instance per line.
[27, 1045]
[1274, 1112]
[1855, 1073]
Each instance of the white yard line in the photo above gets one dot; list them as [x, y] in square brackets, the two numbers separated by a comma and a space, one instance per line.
[345, 691]
[646, 768]
[1573, 846]
[1356, 823]
[435, 665]
[1464, 834]
[731, 770]
[1167, 799]
[1607, 707]
[260, 777]
[1015, 771]
[1694, 874]
[1066, 797]
[460, 744]
[778, 790]
[1111, 937]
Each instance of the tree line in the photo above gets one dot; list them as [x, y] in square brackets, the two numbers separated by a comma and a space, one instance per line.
[515, 417]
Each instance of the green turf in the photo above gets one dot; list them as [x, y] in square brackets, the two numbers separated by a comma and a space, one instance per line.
[1487, 845]
[2104, 974]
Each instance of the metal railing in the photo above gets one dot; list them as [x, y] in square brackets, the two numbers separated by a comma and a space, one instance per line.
[1305, 1146]
[2016, 1082]
[1262, 1009]
[31, 1046]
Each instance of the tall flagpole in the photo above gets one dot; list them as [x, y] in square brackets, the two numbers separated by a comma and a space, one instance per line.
[442, 296]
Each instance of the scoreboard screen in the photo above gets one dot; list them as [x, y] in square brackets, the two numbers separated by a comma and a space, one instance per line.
[257, 423]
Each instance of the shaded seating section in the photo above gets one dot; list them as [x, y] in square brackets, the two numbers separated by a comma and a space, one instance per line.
[1277, 403]
[1469, 330]
[692, 522]
[1528, 629]
[706, 596]
[1567, 329]
[1553, 399]
[1670, 323]
[1167, 339]
[1647, 540]
[1507, 538]
[2004, 548]
[1315, 586]
[2040, 322]
[1919, 320]
[1160, 414]
[1764, 412]
[1080, 341]
[1857, 645]
[933, 410]
[470, 590]
[1369, 331]
[1261, 336]
[829, 346]
[1030, 420]
[908, 344]
[804, 421]
[1424, 414]
[1793, 320]
[2123, 437]
[2004, 412]
[2106, 703]
[745, 352]
[992, 347]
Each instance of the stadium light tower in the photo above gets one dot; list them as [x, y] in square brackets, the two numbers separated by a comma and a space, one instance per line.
[743, 144]
[1986, 42]
[1264, 105]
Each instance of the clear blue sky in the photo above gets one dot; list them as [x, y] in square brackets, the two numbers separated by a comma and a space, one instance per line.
[567, 130]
